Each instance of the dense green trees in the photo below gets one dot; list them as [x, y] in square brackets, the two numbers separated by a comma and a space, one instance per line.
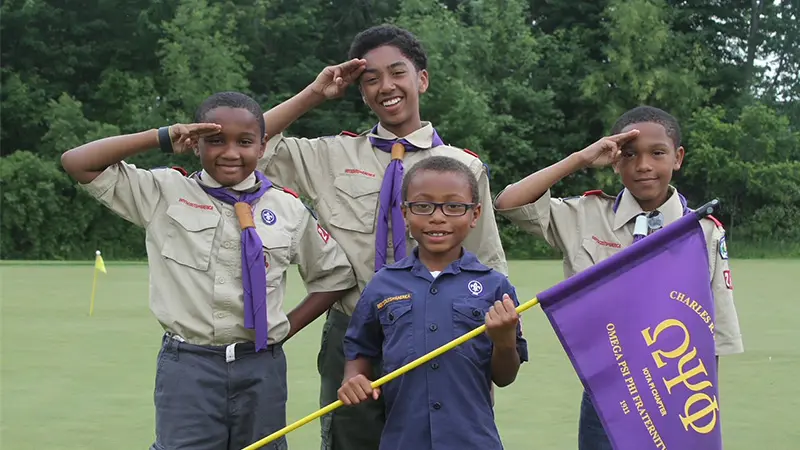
[520, 83]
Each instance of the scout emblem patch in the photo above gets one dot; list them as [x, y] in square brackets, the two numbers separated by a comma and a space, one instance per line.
[268, 217]
[475, 287]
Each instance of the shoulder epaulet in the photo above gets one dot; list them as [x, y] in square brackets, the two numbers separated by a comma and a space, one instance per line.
[348, 133]
[594, 192]
[288, 191]
[716, 221]
[181, 170]
[470, 152]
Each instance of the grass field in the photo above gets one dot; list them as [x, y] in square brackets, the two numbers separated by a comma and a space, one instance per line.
[70, 381]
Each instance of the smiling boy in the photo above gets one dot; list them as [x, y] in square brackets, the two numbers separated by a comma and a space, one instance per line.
[644, 150]
[354, 182]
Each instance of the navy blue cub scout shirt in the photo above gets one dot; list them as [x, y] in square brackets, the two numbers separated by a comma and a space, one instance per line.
[405, 313]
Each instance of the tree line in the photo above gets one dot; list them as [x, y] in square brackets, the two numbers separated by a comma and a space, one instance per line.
[521, 83]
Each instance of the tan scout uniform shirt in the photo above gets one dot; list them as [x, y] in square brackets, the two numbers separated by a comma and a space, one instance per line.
[194, 251]
[343, 174]
[587, 231]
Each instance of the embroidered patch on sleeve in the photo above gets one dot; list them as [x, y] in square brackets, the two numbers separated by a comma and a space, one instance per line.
[323, 234]
[723, 248]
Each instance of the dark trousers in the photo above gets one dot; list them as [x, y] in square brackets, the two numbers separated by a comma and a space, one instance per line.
[348, 427]
[591, 434]
[210, 399]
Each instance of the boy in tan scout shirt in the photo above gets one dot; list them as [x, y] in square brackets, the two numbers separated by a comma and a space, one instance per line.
[644, 150]
[221, 378]
[354, 182]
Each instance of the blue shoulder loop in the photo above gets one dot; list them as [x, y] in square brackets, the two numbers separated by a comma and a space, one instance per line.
[311, 210]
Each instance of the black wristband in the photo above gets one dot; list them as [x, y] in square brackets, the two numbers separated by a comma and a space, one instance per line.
[164, 140]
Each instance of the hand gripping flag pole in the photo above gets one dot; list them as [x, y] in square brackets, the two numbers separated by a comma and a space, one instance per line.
[385, 379]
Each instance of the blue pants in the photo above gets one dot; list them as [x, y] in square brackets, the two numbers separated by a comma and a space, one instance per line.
[591, 435]
[210, 399]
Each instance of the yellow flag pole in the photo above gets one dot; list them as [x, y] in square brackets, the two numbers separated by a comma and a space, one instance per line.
[99, 266]
[94, 290]
[385, 379]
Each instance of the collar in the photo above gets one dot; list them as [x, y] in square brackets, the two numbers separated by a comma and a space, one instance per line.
[467, 262]
[421, 138]
[249, 184]
[629, 208]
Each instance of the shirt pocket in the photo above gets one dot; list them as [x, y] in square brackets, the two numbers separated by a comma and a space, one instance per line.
[592, 252]
[190, 236]
[277, 256]
[396, 321]
[470, 313]
[356, 203]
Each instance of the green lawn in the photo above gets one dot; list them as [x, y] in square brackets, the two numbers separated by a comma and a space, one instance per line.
[70, 381]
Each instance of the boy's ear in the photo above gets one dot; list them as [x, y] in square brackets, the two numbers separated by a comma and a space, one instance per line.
[423, 81]
[679, 154]
[476, 214]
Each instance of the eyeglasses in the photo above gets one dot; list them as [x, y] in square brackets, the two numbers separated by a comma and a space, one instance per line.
[451, 209]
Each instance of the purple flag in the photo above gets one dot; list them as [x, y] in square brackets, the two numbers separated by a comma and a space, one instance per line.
[639, 331]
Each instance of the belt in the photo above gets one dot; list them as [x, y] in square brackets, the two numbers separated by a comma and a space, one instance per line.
[232, 352]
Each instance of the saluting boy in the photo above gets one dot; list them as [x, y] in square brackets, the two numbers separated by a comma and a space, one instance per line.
[644, 149]
[219, 244]
[354, 183]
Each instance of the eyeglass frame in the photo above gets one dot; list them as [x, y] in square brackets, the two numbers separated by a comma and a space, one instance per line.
[438, 205]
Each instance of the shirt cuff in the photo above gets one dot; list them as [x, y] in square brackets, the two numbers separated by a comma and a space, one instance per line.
[529, 213]
[105, 181]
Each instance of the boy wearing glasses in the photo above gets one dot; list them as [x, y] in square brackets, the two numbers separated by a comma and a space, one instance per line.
[414, 306]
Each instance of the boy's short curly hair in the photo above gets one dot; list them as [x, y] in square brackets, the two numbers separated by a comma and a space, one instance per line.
[231, 99]
[443, 164]
[650, 114]
[387, 34]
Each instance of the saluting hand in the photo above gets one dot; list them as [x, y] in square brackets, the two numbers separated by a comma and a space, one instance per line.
[501, 322]
[356, 390]
[607, 150]
[333, 81]
[185, 136]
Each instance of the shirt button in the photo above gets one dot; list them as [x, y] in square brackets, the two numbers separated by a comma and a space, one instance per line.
[391, 316]
[434, 366]
[433, 327]
[220, 280]
[476, 313]
[434, 291]
[219, 314]
[437, 406]
[229, 213]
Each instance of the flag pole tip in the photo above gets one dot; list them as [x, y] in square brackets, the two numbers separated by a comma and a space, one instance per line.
[97, 253]
[708, 208]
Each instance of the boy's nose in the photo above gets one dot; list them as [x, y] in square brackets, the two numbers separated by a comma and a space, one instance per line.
[643, 165]
[438, 216]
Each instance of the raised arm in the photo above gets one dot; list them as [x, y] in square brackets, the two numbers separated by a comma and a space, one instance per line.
[331, 83]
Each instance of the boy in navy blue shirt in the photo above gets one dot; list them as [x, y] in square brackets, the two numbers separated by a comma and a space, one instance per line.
[424, 301]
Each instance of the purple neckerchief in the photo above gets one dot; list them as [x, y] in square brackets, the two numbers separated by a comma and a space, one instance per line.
[390, 199]
[639, 237]
[254, 270]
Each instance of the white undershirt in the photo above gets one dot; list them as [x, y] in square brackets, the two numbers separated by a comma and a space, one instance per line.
[436, 273]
